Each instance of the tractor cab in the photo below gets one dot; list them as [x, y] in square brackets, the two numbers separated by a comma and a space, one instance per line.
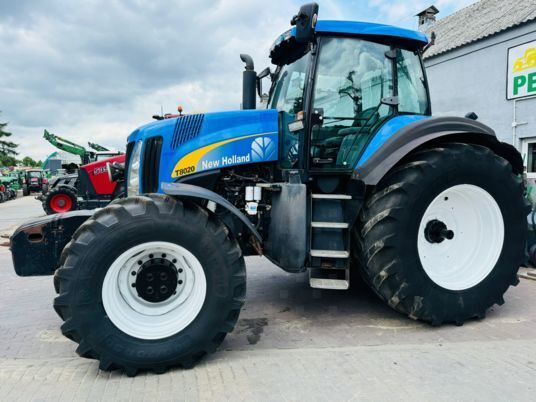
[338, 84]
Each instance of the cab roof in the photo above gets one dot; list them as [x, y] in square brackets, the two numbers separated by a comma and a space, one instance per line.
[285, 43]
[370, 29]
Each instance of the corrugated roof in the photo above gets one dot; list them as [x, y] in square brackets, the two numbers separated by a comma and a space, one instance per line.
[478, 21]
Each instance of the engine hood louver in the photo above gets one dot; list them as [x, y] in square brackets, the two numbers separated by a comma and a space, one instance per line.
[186, 128]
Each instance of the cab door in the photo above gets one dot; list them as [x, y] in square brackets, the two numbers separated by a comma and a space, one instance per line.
[352, 77]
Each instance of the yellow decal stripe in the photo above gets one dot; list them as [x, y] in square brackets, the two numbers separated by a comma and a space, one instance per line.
[188, 163]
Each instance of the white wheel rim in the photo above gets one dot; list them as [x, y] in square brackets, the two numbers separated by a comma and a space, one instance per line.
[143, 319]
[477, 224]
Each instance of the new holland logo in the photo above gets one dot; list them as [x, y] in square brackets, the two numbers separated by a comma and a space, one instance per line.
[262, 149]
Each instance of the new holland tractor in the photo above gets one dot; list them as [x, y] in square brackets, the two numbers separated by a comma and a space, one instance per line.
[346, 171]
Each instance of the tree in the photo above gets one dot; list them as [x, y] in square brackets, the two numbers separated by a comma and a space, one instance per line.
[7, 148]
[27, 161]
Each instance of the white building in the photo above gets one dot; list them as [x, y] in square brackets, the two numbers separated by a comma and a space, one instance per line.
[484, 61]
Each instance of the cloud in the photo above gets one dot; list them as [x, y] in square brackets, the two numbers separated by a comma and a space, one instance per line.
[96, 70]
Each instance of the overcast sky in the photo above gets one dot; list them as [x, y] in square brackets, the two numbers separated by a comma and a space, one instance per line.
[97, 69]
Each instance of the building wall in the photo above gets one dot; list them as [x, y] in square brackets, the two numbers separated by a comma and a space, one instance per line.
[473, 79]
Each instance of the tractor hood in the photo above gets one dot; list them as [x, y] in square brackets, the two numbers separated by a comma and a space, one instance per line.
[202, 142]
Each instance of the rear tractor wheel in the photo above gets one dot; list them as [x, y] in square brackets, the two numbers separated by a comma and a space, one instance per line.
[149, 283]
[443, 235]
[60, 200]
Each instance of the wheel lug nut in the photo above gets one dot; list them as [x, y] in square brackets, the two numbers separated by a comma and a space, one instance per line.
[133, 285]
[163, 276]
[164, 255]
[150, 290]
[150, 256]
[140, 262]
[180, 270]
[133, 273]
[180, 282]
[174, 261]
[163, 289]
[149, 277]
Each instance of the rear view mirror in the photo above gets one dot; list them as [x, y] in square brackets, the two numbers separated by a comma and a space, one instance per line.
[263, 74]
[305, 22]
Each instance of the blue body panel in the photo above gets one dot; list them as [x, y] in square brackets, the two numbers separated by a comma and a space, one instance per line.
[225, 139]
[385, 132]
[362, 29]
[368, 28]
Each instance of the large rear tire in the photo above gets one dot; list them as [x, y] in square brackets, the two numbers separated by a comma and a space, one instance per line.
[60, 200]
[442, 236]
[149, 283]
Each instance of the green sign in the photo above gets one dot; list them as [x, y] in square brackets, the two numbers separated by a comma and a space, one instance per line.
[522, 71]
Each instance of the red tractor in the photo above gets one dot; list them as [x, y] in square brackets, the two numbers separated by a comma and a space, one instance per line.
[89, 189]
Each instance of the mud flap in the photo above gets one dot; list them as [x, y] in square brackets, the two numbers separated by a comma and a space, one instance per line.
[36, 246]
[287, 244]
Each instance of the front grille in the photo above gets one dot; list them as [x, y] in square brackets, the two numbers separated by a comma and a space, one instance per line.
[130, 147]
[151, 164]
[186, 128]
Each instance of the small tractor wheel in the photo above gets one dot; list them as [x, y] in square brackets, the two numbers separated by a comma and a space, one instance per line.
[59, 200]
[443, 235]
[25, 190]
[150, 282]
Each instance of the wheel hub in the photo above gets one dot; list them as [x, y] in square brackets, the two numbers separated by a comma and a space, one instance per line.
[436, 231]
[156, 280]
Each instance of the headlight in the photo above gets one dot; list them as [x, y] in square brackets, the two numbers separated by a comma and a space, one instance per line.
[133, 185]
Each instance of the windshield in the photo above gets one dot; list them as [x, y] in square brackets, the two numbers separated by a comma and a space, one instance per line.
[288, 88]
[105, 156]
[34, 174]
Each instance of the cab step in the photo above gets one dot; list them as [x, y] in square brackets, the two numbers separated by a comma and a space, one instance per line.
[329, 225]
[331, 196]
[329, 279]
[330, 253]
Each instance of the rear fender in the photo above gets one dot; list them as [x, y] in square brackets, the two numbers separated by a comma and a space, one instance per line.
[36, 246]
[428, 132]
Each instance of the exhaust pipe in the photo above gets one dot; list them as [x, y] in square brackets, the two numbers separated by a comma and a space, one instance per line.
[249, 83]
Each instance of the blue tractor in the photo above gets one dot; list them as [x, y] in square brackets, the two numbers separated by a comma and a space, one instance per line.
[345, 171]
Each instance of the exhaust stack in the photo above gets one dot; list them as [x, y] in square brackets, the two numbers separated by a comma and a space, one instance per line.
[249, 83]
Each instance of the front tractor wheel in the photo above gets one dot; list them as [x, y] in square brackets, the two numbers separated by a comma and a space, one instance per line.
[149, 283]
[60, 200]
[443, 235]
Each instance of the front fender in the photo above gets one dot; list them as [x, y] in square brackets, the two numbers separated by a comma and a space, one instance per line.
[191, 191]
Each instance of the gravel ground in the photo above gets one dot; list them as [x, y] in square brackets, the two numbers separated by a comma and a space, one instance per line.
[291, 343]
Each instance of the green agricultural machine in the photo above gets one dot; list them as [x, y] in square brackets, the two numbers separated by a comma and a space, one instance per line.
[86, 156]
[8, 187]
